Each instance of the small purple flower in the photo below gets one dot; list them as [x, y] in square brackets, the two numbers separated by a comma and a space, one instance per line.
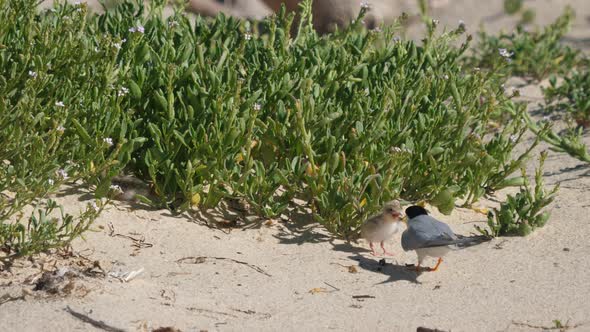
[365, 5]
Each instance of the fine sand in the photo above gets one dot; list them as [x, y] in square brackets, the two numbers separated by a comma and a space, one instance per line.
[288, 275]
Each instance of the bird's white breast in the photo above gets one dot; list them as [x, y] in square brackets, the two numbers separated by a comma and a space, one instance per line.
[385, 231]
[435, 252]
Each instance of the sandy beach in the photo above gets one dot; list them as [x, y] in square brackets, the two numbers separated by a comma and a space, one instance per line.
[292, 275]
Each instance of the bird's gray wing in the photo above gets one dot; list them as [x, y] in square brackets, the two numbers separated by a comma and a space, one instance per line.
[424, 231]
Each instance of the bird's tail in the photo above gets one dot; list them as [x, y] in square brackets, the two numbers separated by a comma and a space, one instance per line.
[469, 241]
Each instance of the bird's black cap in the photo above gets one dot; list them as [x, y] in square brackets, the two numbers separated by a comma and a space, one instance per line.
[415, 210]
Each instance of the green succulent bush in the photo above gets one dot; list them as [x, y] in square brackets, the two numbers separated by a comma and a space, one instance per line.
[570, 141]
[511, 7]
[211, 110]
[60, 119]
[343, 122]
[530, 54]
[523, 212]
[572, 95]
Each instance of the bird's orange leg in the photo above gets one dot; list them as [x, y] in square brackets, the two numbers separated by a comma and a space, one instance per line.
[437, 264]
[372, 249]
[385, 252]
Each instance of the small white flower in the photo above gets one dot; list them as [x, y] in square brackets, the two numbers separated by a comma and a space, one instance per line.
[116, 188]
[117, 45]
[247, 36]
[94, 206]
[61, 129]
[505, 53]
[547, 118]
[59, 104]
[476, 69]
[108, 140]
[77, 3]
[62, 173]
[396, 149]
[367, 91]
[396, 39]
[513, 138]
[32, 74]
[446, 77]
[377, 29]
[50, 182]
[365, 5]
[462, 25]
[122, 91]
[138, 28]
[435, 22]
[257, 107]
[172, 24]
[123, 40]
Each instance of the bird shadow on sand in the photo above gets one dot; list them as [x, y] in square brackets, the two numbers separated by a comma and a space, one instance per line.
[394, 271]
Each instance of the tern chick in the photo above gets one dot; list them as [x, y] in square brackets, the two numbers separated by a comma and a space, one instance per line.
[381, 227]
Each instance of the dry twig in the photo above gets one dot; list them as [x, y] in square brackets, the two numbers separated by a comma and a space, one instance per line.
[96, 323]
[202, 259]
